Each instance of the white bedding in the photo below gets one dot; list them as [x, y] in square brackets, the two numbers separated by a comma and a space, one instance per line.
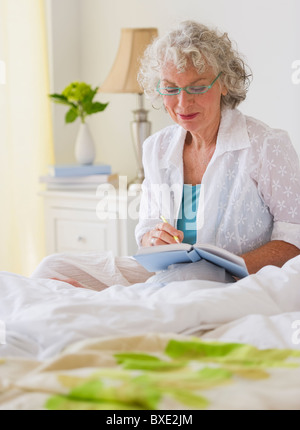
[44, 316]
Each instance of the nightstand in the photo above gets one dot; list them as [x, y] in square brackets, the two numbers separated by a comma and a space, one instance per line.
[80, 221]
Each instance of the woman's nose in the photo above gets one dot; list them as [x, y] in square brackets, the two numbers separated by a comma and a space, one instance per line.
[184, 98]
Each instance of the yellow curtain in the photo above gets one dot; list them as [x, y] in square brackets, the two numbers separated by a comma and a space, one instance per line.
[26, 147]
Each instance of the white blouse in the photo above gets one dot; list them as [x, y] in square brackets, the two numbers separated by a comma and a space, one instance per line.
[250, 192]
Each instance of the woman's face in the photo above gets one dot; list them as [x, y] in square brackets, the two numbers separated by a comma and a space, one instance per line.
[195, 113]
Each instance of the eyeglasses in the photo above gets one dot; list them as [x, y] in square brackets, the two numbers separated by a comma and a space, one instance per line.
[190, 89]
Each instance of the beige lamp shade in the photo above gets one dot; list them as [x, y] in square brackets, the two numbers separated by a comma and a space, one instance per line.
[123, 75]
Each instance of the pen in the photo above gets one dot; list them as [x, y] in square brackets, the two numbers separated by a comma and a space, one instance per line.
[164, 220]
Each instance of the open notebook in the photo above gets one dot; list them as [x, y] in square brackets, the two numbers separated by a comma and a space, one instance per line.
[156, 258]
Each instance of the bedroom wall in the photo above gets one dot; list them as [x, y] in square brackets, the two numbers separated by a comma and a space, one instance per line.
[64, 46]
[84, 38]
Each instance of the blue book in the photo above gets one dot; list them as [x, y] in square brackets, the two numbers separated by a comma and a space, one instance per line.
[156, 258]
[80, 170]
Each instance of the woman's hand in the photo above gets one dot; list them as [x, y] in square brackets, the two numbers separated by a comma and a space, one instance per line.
[162, 234]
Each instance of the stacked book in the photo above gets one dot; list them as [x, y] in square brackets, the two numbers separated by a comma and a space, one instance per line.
[79, 177]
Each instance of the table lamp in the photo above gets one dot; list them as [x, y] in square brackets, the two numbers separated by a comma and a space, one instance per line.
[123, 79]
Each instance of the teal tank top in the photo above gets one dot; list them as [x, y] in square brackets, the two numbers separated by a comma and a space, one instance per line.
[187, 218]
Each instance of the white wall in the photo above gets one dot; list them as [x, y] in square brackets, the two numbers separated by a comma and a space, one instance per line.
[64, 46]
[267, 32]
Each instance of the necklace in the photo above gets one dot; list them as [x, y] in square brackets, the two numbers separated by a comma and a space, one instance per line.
[195, 162]
[193, 157]
[206, 159]
[202, 156]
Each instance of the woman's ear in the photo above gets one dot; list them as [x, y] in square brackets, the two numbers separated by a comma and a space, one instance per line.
[224, 90]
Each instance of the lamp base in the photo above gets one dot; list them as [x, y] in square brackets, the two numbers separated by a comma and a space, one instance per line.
[136, 183]
[134, 187]
[140, 130]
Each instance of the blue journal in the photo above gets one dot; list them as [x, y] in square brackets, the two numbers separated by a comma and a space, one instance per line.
[156, 258]
[80, 170]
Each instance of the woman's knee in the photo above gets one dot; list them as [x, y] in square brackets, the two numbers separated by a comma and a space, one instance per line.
[49, 262]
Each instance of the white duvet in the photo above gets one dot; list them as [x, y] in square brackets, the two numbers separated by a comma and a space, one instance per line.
[43, 316]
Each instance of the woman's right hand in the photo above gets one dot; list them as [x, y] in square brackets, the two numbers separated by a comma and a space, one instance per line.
[162, 234]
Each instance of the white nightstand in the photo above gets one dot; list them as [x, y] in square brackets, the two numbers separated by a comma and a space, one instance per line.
[79, 221]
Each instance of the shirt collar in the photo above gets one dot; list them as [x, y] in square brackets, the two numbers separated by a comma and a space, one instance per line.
[232, 136]
[173, 154]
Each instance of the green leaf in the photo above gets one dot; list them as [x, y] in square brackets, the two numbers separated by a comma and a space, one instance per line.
[59, 98]
[98, 107]
[71, 115]
[90, 95]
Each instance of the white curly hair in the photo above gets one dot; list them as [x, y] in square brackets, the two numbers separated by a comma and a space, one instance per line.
[196, 43]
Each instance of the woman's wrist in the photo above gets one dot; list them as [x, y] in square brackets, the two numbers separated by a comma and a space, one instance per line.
[146, 239]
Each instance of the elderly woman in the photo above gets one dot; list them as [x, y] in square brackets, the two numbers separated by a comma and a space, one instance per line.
[219, 176]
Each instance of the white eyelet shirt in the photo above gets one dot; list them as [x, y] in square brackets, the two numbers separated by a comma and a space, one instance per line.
[250, 192]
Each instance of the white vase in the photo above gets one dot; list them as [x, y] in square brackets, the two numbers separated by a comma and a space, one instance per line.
[85, 147]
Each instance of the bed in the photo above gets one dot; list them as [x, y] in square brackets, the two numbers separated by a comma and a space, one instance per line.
[184, 345]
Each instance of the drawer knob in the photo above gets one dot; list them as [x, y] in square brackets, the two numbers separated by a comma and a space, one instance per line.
[80, 239]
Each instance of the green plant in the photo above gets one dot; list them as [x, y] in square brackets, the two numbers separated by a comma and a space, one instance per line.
[79, 97]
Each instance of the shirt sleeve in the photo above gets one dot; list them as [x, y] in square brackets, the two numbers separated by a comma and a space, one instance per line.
[149, 211]
[279, 185]
[147, 218]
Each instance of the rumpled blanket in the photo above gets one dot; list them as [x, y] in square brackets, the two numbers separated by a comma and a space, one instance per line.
[154, 372]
